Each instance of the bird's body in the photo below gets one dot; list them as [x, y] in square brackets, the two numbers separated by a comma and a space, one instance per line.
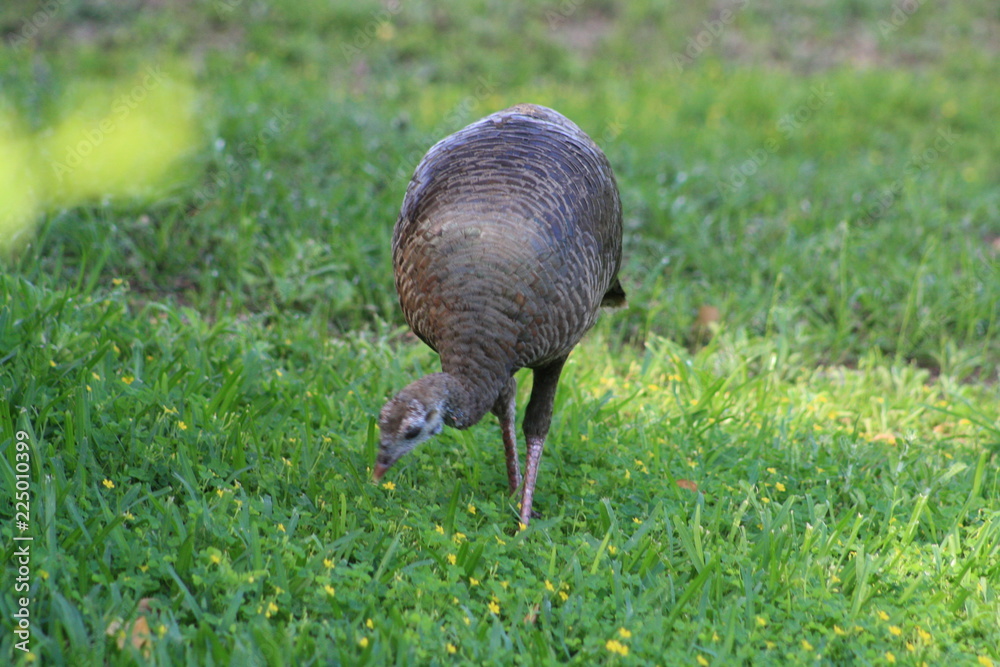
[508, 242]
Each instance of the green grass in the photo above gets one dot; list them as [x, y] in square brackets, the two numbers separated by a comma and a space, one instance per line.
[199, 377]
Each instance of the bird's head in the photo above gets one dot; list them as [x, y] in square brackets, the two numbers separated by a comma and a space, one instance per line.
[412, 416]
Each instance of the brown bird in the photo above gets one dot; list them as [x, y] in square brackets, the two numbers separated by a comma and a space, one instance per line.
[508, 242]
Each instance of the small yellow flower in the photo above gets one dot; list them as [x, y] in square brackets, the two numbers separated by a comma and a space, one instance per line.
[108, 484]
[612, 549]
[271, 609]
[563, 596]
[182, 426]
[473, 581]
[215, 558]
[910, 647]
[895, 630]
[616, 646]
[765, 500]
[549, 586]
[451, 558]
[117, 282]
[458, 537]
[521, 525]
[806, 645]
[128, 379]
[702, 660]
[281, 527]
[330, 590]
[363, 642]
[439, 529]
[504, 584]
[890, 658]
[494, 607]
[837, 630]
[451, 648]
[985, 661]
[370, 624]
[624, 633]
[761, 621]
[471, 508]
[884, 616]
[95, 375]
[279, 373]
[769, 645]
[779, 486]
[328, 563]
[388, 486]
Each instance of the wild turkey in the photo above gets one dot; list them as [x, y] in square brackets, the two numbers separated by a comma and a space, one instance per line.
[508, 242]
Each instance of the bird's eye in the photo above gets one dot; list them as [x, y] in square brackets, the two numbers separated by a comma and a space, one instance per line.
[411, 433]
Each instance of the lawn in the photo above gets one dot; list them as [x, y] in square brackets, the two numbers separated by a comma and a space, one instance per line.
[783, 451]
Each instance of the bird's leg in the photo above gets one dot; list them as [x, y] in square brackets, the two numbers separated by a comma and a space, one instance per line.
[505, 410]
[537, 418]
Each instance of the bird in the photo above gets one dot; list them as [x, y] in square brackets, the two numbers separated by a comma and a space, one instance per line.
[507, 244]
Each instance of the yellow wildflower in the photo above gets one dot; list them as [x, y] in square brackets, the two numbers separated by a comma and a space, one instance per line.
[616, 646]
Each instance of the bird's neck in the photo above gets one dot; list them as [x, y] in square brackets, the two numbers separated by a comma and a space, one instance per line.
[471, 389]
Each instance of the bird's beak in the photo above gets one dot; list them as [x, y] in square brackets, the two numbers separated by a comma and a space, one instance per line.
[379, 471]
